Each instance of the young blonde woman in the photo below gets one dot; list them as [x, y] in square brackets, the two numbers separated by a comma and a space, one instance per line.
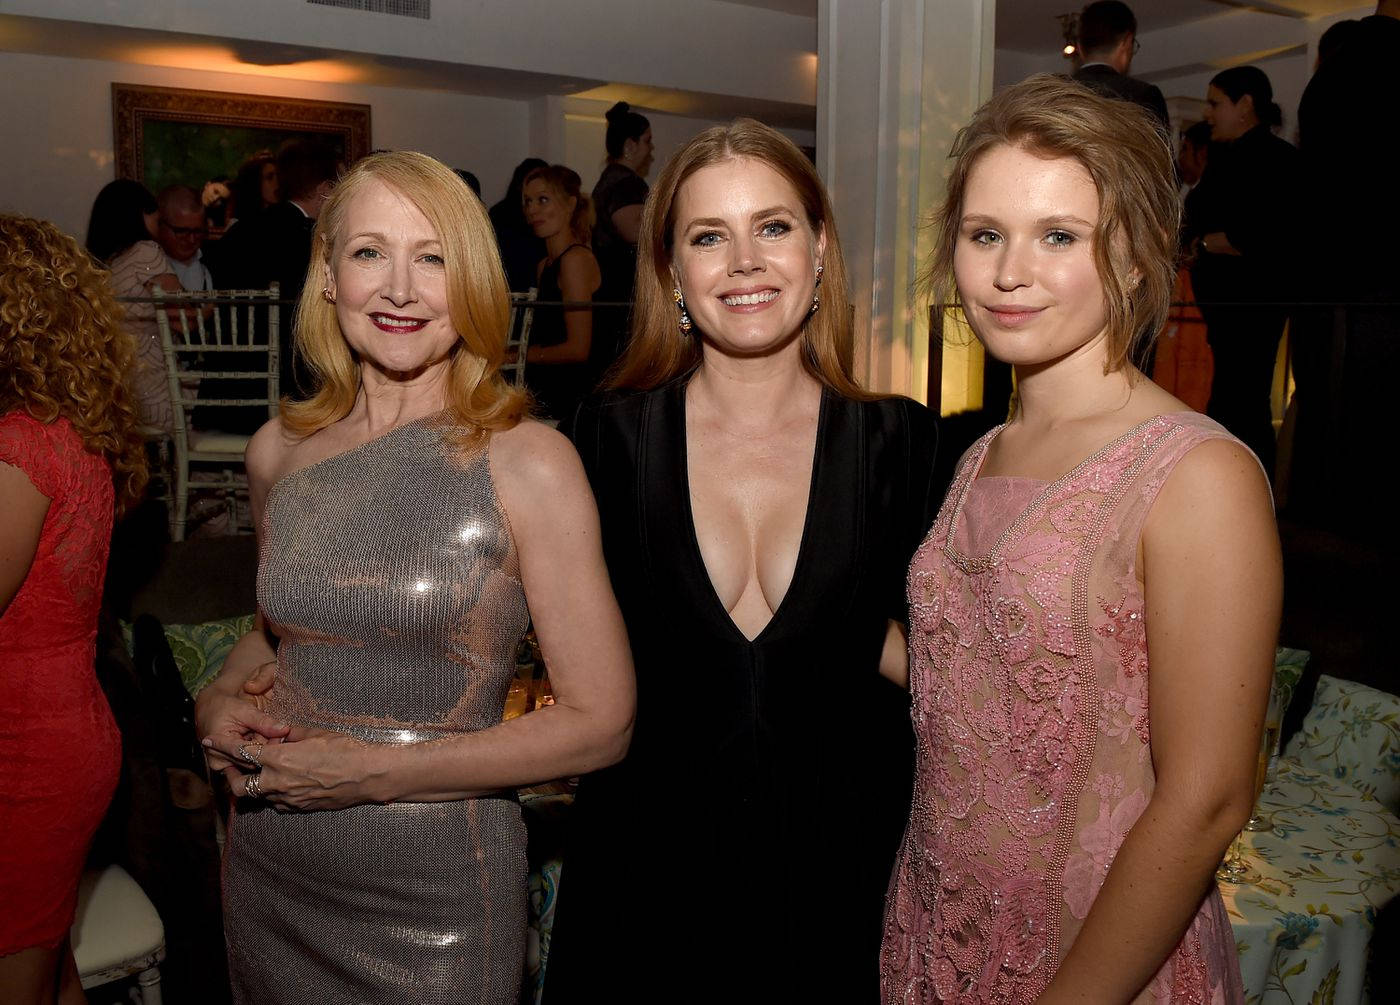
[567, 356]
[1094, 613]
[410, 526]
[71, 457]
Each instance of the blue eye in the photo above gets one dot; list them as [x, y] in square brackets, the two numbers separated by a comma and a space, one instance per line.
[366, 253]
[433, 259]
[776, 228]
[1060, 239]
[706, 240]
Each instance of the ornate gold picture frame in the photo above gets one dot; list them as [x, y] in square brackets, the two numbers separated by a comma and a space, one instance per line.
[169, 135]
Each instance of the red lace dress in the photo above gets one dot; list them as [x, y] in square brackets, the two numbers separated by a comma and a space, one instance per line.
[1029, 670]
[60, 751]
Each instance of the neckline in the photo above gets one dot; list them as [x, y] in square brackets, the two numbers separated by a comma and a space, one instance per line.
[692, 537]
[358, 448]
[1047, 489]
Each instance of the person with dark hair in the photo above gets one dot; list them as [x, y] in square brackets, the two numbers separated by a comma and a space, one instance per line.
[1094, 613]
[759, 509]
[1244, 245]
[124, 213]
[122, 236]
[71, 459]
[618, 198]
[521, 250]
[1194, 153]
[181, 231]
[1334, 38]
[1349, 106]
[566, 357]
[276, 245]
[255, 188]
[1107, 44]
[472, 181]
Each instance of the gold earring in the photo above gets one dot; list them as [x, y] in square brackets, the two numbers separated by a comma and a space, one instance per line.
[685, 323]
[816, 299]
[326, 292]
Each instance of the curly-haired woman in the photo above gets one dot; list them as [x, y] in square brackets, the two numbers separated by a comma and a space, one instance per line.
[70, 459]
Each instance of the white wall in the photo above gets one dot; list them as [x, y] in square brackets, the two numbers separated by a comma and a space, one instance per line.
[585, 129]
[697, 45]
[58, 150]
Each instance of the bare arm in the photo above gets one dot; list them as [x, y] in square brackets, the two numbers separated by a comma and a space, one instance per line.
[25, 508]
[542, 487]
[1214, 583]
[225, 714]
[579, 278]
[894, 657]
[628, 221]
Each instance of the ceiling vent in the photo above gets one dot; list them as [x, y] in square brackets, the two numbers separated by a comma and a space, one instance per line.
[403, 8]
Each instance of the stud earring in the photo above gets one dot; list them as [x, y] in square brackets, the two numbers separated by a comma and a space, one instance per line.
[685, 323]
[326, 292]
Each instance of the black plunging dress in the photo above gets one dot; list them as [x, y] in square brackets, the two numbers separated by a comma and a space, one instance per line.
[742, 849]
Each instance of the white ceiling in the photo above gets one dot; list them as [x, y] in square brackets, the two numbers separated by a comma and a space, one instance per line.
[1031, 25]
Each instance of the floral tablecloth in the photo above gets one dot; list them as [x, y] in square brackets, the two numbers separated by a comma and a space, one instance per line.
[1329, 863]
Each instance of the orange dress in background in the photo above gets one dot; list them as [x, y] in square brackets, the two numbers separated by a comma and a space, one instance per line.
[1184, 365]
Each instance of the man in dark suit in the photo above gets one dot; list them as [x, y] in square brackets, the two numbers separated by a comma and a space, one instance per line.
[1107, 42]
[275, 246]
[1345, 418]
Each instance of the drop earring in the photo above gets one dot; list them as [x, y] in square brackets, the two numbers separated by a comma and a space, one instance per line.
[685, 323]
[816, 298]
[326, 292]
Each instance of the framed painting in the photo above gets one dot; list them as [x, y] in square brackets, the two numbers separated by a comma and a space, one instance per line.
[168, 135]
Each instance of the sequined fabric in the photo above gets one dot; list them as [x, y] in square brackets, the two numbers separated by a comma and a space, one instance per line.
[391, 577]
[1029, 674]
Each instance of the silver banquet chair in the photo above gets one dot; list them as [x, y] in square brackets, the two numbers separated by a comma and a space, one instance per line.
[522, 316]
[245, 322]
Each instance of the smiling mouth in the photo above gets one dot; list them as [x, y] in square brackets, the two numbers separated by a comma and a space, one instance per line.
[749, 299]
[391, 323]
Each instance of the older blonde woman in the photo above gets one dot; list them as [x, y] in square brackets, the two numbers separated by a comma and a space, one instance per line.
[410, 525]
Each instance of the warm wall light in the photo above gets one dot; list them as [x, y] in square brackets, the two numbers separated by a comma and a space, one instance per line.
[1069, 31]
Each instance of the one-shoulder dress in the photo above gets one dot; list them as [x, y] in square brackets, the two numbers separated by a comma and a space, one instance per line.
[391, 577]
[1029, 673]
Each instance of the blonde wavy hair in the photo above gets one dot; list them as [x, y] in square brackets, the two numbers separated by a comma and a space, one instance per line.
[64, 348]
[478, 300]
[1131, 162]
[657, 353]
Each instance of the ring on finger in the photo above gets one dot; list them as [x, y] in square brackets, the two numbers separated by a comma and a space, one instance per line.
[252, 756]
[252, 788]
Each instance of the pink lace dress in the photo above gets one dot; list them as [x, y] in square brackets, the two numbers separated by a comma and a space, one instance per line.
[1029, 672]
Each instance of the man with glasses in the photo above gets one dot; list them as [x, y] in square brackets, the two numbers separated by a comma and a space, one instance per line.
[1107, 44]
[181, 231]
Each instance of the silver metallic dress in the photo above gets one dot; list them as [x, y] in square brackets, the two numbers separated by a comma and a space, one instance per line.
[390, 575]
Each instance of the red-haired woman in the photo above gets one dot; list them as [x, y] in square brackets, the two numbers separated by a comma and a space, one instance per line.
[71, 458]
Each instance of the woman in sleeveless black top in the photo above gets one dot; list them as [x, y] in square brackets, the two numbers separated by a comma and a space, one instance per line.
[566, 357]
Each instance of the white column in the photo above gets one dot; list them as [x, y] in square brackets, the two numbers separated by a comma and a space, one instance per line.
[896, 79]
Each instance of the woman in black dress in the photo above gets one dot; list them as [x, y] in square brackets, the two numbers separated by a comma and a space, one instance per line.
[759, 511]
[1245, 249]
[566, 357]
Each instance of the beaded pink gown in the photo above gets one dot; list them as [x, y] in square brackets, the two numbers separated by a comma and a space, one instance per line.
[1029, 675]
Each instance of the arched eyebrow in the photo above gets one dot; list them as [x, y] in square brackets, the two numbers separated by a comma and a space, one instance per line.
[982, 220]
[714, 221]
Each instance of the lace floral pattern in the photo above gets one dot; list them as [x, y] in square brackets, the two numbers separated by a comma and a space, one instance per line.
[1029, 672]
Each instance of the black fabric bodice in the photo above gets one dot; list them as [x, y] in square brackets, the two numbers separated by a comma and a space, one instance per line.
[759, 810]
